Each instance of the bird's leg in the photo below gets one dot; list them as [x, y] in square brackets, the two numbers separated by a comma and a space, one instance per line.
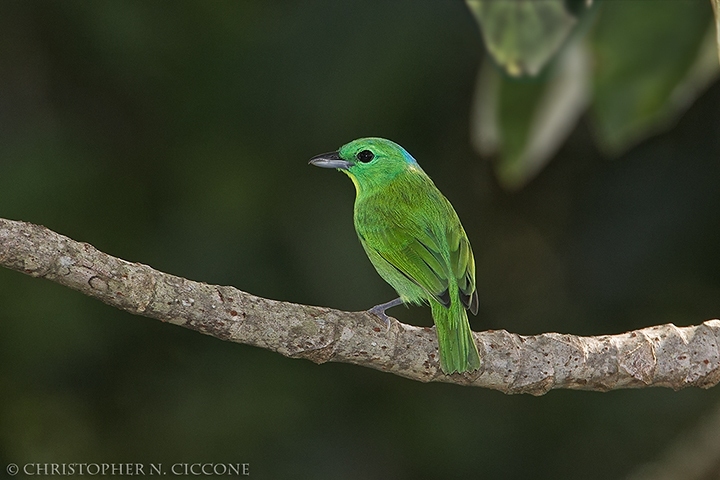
[379, 310]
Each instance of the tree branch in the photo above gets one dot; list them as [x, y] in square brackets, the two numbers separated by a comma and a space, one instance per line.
[664, 355]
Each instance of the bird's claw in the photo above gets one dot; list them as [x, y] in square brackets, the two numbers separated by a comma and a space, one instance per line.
[380, 313]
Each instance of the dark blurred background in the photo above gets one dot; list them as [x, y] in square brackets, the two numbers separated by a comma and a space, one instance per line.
[177, 134]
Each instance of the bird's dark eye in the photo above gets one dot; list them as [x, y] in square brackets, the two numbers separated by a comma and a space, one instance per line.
[365, 156]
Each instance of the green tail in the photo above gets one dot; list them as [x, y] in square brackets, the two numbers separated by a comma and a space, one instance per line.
[458, 352]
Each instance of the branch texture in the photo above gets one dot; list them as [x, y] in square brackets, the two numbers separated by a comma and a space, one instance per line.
[663, 355]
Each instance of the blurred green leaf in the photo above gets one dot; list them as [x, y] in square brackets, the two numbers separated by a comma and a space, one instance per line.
[523, 123]
[523, 36]
[716, 10]
[643, 53]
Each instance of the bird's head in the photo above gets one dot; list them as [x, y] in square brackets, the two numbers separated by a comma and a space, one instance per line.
[368, 161]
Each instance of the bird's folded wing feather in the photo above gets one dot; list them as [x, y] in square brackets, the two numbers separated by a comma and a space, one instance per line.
[417, 254]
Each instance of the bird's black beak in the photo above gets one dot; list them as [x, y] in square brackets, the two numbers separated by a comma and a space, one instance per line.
[330, 160]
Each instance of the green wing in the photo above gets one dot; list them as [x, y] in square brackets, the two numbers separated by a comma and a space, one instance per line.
[463, 266]
[414, 250]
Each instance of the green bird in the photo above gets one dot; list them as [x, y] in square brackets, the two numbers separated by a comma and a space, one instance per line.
[414, 239]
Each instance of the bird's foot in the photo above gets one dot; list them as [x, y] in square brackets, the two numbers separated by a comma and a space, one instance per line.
[380, 313]
[379, 310]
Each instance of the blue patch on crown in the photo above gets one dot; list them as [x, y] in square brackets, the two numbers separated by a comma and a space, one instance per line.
[408, 158]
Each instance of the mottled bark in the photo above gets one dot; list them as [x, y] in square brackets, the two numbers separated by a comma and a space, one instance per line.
[664, 355]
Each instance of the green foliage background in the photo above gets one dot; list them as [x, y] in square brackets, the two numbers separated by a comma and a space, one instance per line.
[177, 134]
